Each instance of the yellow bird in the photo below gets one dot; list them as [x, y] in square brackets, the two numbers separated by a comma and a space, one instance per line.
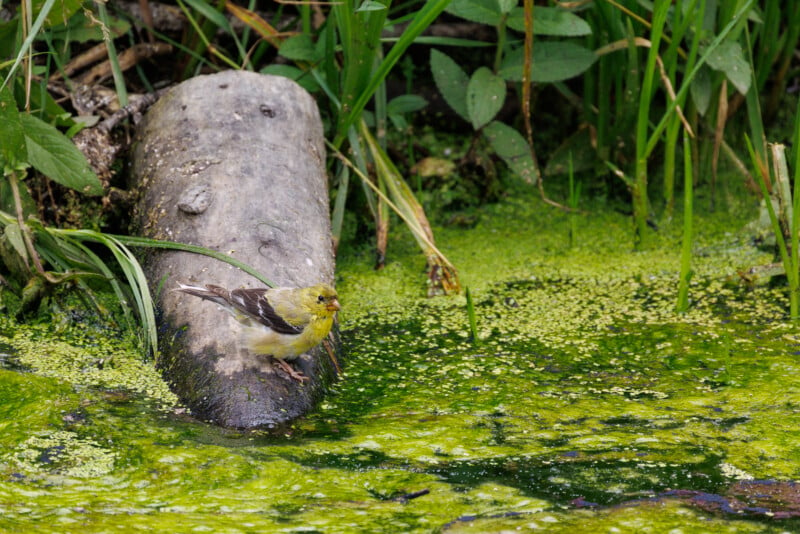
[283, 322]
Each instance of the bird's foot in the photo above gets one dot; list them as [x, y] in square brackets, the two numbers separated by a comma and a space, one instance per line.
[297, 375]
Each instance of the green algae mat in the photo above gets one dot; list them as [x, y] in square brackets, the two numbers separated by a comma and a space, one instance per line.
[585, 404]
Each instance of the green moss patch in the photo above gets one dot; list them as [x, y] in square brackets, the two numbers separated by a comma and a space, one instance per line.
[585, 405]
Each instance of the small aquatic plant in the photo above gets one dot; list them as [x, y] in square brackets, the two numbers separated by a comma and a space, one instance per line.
[686, 247]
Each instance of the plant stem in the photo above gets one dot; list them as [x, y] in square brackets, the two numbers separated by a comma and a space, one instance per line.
[686, 248]
[473, 324]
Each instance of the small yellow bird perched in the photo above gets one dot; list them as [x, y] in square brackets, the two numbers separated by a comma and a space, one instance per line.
[283, 322]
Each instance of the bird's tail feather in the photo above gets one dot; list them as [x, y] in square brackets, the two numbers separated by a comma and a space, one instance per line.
[217, 294]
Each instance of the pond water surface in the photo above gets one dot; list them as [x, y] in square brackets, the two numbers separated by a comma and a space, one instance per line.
[585, 405]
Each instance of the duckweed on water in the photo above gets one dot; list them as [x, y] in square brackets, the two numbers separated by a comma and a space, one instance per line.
[587, 405]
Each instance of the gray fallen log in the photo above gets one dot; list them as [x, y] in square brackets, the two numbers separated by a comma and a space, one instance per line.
[234, 162]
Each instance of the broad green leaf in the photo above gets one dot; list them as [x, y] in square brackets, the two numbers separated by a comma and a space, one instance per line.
[81, 29]
[303, 78]
[553, 61]
[481, 11]
[701, 90]
[550, 21]
[52, 154]
[299, 48]
[486, 93]
[13, 154]
[728, 57]
[451, 80]
[509, 144]
[60, 12]
[405, 104]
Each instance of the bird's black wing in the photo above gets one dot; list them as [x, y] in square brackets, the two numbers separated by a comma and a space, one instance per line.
[254, 303]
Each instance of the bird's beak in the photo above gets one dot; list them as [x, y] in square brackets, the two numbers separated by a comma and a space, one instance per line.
[333, 306]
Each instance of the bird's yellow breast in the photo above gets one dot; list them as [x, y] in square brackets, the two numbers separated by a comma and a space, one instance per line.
[288, 346]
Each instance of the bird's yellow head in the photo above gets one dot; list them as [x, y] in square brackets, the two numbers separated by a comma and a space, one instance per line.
[321, 300]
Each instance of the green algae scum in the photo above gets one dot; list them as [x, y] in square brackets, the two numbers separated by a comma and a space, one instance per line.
[585, 404]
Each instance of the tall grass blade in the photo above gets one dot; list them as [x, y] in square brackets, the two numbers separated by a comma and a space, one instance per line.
[352, 112]
[26, 45]
[686, 245]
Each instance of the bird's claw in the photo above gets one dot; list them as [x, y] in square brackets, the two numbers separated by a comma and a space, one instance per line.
[297, 375]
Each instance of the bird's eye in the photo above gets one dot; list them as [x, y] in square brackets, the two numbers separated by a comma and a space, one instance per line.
[321, 298]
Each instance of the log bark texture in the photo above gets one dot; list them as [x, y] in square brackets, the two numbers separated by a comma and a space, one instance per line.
[234, 162]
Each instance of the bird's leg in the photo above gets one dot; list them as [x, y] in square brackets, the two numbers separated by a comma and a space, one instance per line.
[297, 375]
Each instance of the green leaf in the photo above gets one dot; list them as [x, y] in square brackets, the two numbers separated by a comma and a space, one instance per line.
[13, 154]
[728, 57]
[61, 10]
[208, 11]
[52, 154]
[299, 48]
[370, 5]
[550, 21]
[8, 37]
[509, 144]
[13, 236]
[481, 11]
[451, 81]
[553, 61]
[486, 93]
[405, 104]
[506, 6]
[43, 105]
[81, 29]
[577, 149]
[8, 203]
[701, 90]
[26, 45]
